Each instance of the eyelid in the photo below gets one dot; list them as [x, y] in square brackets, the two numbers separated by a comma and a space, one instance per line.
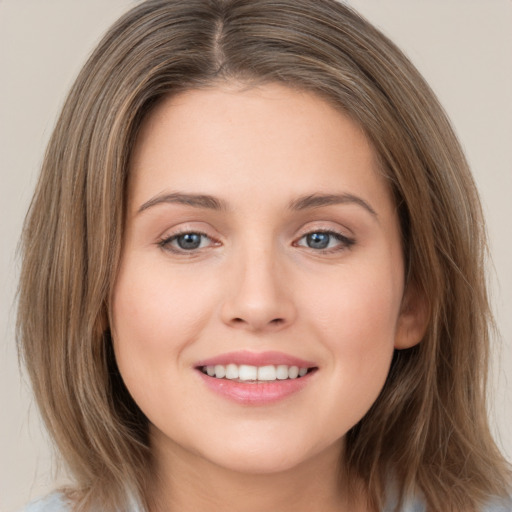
[345, 242]
[165, 241]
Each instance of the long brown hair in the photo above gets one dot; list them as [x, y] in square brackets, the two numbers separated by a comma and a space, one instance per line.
[429, 426]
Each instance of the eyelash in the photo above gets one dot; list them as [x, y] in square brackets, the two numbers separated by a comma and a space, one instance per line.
[344, 242]
[166, 243]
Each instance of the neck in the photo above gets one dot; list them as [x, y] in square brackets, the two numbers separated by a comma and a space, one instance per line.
[187, 482]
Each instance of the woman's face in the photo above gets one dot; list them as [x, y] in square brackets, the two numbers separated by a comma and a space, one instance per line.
[259, 297]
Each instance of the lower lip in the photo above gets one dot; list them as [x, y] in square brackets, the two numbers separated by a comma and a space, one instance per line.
[256, 393]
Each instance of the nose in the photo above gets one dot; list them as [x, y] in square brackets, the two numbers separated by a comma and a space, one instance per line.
[259, 294]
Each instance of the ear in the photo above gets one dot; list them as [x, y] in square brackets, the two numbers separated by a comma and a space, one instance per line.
[414, 318]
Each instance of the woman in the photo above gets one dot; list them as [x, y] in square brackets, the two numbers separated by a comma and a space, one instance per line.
[262, 272]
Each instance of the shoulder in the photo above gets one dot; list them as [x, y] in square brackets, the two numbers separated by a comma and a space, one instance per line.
[55, 502]
[417, 505]
[499, 505]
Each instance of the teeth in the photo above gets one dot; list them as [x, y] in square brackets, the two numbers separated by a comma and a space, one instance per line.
[231, 371]
[267, 373]
[220, 371]
[245, 372]
[282, 372]
[293, 372]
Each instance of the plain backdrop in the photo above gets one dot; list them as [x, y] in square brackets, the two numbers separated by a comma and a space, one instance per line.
[463, 48]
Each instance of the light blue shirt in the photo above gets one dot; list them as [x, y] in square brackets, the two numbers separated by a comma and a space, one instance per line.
[56, 503]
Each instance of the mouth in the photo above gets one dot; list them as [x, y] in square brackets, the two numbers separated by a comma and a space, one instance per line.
[253, 374]
[256, 378]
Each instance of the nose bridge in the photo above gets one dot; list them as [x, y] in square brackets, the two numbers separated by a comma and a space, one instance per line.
[258, 297]
[259, 276]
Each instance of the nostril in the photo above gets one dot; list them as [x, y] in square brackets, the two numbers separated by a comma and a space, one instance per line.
[274, 321]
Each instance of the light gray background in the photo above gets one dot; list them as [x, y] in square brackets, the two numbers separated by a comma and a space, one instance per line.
[464, 49]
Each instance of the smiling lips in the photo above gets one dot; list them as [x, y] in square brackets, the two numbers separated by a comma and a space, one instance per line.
[249, 373]
[256, 378]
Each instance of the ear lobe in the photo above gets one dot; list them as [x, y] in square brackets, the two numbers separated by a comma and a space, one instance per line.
[414, 318]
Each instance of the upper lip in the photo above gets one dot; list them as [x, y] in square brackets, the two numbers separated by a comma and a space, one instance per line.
[256, 359]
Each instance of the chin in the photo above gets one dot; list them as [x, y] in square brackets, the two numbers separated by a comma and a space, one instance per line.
[262, 457]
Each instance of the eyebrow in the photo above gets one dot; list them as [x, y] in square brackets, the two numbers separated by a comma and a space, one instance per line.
[321, 200]
[212, 203]
[195, 200]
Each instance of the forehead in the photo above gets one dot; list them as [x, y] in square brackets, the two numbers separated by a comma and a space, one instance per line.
[271, 106]
[226, 137]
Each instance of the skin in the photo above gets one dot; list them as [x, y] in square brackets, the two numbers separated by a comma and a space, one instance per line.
[255, 284]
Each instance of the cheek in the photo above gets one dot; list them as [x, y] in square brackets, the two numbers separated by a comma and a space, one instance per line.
[155, 316]
[153, 321]
[155, 308]
[357, 321]
[363, 303]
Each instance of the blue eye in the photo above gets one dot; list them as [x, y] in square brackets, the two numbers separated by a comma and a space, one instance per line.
[189, 241]
[185, 242]
[318, 240]
[325, 240]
